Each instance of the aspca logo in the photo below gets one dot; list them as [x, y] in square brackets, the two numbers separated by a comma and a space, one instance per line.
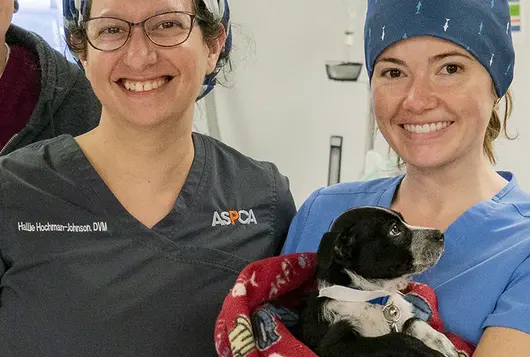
[231, 217]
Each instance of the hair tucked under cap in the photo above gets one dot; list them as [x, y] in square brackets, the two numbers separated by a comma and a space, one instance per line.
[74, 12]
[221, 10]
[482, 27]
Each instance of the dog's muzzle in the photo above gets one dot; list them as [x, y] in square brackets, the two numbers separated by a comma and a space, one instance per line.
[426, 248]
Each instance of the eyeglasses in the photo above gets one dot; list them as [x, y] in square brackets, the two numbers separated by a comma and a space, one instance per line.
[168, 29]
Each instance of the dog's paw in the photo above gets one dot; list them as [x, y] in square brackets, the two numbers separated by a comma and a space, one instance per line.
[432, 338]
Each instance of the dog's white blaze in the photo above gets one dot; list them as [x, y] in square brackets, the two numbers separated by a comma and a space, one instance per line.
[366, 317]
[409, 226]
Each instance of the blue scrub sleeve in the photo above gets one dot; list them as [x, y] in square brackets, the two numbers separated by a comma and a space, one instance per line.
[298, 224]
[513, 307]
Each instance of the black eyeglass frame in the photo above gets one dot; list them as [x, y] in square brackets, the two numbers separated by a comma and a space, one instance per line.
[142, 25]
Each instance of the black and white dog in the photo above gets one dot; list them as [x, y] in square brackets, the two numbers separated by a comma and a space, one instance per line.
[369, 254]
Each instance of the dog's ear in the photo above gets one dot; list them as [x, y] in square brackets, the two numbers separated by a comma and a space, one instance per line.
[326, 249]
[344, 247]
[334, 247]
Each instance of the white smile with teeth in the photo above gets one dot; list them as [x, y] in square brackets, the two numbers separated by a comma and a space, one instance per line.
[426, 128]
[135, 86]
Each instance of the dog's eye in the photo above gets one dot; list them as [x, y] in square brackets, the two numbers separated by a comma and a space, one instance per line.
[395, 230]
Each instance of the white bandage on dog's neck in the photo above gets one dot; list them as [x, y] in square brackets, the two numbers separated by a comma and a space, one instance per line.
[343, 293]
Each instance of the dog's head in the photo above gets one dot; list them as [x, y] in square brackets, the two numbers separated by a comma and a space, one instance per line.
[375, 245]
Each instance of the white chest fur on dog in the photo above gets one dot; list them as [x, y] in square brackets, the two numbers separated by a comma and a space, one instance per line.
[366, 317]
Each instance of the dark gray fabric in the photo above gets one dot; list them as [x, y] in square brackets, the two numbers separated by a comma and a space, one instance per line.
[67, 104]
[129, 290]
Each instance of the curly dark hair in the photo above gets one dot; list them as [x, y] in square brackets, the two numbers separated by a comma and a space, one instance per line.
[210, 27]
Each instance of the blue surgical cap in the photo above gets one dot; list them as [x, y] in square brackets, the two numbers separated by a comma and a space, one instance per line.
[482, 27]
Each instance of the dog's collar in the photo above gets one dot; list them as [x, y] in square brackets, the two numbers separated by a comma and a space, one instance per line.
[352, 294]
[380, 300]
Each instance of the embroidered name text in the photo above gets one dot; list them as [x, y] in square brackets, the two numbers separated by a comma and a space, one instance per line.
[69, 227]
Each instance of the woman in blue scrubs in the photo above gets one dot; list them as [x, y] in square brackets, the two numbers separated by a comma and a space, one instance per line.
[438, 71]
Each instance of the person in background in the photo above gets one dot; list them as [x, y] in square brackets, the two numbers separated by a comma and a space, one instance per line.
[125, 240]
[438, 70]
[42, 95]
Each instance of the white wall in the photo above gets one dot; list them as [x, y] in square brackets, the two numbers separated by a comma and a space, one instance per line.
[42, 17]
[281, 107]
[513, 155]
